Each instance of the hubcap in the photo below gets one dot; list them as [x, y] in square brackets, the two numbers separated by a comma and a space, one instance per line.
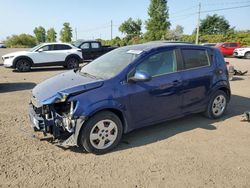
[72, 63]
[219, 105]
[23, 65]
[103, 134]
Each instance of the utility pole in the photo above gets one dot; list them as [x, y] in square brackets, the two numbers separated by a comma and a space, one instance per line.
[76, 33]
[198, 25]
[111, 29]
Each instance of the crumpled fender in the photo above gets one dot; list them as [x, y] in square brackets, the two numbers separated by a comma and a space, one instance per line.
[62, 96]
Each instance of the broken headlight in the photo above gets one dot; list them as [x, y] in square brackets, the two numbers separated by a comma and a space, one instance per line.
[66, 111]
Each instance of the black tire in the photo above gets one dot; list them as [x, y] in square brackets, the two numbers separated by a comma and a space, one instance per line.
[215, 111]
[23, 65]
[247, 55]
[99, 135]
[72, 63]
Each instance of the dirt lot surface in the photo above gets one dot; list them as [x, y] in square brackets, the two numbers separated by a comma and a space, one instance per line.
[189, 152]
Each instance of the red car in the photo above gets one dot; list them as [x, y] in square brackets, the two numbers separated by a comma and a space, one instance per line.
[227, 48]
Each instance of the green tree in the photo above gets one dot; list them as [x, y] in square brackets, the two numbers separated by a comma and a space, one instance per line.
[214, 25]
[20, 41]
[66, 33]
[51, 35]
[40, 34]
[175, 34]
[158, 22]
[131, 28]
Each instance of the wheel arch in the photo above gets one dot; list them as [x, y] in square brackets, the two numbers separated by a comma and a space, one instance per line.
[223, 86]
[116, 111]
[74, 56]
[22, 57]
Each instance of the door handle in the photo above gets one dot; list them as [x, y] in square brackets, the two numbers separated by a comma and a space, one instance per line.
[176, 82]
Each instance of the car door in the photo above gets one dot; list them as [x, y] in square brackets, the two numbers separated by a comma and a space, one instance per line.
[61, 51]
[43, 55]
[86, 51]
[232, 47]
[158, 99]
[197, 76]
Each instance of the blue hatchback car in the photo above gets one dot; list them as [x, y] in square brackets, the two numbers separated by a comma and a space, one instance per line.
[129, 88]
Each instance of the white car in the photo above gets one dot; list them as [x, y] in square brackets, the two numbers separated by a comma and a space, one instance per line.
[242, 52]
[46, 54]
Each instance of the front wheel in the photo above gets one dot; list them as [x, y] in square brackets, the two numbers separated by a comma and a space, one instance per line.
[101, 133]
[23, 65]
[72, 63]
[247, 55]
[217, 105]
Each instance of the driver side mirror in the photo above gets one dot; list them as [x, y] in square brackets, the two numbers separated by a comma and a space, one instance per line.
[140, 77]
[40, 50]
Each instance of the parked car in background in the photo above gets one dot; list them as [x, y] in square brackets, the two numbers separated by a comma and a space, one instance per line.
[46, 54]
[209, 44]
[92, 49]
[129, 88]
[242, 52]
[2, 45]
[227, 48]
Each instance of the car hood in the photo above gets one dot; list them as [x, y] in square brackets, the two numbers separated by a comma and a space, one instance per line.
[16, 53]
[62, 86]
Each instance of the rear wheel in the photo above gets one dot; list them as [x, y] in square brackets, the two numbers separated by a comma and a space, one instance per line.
[247, 55]
[72, 63]
[23, 65]
[101, 133]
[217, 105]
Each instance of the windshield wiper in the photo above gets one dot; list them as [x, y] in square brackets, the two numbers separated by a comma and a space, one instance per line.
[90, 75]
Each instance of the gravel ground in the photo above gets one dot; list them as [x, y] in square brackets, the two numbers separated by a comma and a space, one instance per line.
[189, 152]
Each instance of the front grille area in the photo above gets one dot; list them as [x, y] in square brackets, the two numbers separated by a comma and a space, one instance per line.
[37, 110]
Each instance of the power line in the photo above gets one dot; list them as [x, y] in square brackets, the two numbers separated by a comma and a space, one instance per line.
[225, 3]
[229, 8]
[190, 14]
[207, 11]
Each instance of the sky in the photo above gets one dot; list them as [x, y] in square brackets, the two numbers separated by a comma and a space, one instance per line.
[92, 18]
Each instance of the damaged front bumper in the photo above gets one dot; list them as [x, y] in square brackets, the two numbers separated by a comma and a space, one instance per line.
[61, 127]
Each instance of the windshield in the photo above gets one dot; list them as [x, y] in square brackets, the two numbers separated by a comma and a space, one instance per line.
[35, 48]
[110, 64]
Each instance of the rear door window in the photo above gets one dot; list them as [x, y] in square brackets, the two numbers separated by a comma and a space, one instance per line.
[61, 47]
[95, 45]
[194, 58]
[233, 44]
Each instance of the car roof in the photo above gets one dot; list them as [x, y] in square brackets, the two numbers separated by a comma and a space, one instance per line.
[82, 40]
[154, 45]
[53, 43]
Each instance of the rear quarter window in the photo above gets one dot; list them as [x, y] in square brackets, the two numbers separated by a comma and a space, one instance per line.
[194, 58]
